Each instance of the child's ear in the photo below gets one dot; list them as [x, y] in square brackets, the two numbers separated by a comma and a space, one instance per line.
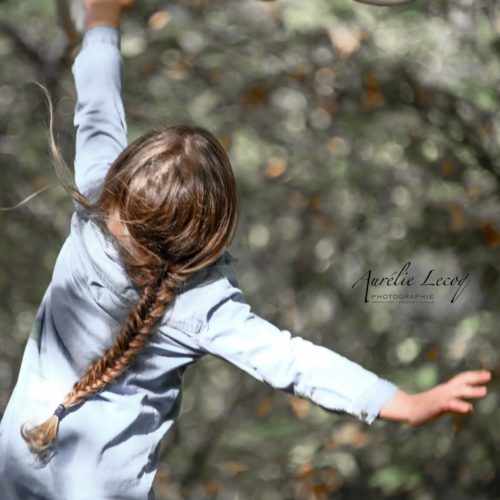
[115, 226]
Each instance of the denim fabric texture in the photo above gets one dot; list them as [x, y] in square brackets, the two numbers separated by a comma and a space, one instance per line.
[107, 447]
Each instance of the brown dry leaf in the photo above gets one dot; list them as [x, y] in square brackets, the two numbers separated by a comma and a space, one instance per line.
[212, 488]
[231, 468]
[304, 471]
[352, 434]
[180, 70]
[275, 167]
[314, 202]
[491, 235]
[330, 107]
[320, 491]
[330, 443]
[432, 353]
[372, 97]
[256, 95]
[301, 407]
[225, 140]
[474, 191]
[264, 406]
[302, 70]
[159, 19]
[457, 219]
[345, 40]
[448, 166]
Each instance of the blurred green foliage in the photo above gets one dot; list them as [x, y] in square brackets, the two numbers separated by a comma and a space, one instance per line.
[362, 138]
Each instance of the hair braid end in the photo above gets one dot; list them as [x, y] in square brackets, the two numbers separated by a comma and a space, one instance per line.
[40, 437]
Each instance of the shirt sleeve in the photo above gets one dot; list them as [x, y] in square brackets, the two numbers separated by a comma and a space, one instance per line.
[291, 363]
[99, 115]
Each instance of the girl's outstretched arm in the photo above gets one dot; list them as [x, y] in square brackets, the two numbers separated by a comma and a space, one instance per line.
[298, 366]
[291, 363]
[99, 115]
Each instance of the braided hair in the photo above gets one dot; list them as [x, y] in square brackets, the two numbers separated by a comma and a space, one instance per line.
[169, 203]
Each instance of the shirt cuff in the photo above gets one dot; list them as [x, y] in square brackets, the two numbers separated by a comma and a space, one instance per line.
[101, 34]
[373, 400]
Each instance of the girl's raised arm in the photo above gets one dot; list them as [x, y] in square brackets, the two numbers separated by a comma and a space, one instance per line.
[99, 115]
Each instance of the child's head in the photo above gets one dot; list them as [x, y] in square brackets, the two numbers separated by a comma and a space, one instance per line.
[169, 202]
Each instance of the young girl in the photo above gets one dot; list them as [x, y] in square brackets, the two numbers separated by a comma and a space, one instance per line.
[143, 287]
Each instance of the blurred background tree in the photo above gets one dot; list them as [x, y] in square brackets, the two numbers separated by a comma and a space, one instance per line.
[362, 138]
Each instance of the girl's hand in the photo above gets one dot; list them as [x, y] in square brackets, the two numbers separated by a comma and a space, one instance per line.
[445, 398]
[105, 12]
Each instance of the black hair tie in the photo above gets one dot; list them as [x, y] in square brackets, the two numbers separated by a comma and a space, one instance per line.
[59, 411]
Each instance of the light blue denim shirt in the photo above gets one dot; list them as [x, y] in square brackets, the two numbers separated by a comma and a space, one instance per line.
[107, 448]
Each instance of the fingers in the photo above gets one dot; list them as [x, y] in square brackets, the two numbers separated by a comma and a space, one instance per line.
[459, 406]
[473, 391]
[468, 384]
[465, 385]
[473, 377]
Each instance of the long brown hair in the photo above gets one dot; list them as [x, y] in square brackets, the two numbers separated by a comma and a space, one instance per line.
[169, 202]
